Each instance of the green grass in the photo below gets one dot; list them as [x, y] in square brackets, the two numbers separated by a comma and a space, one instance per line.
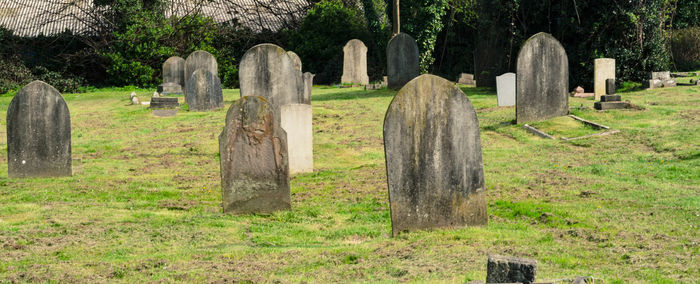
[144, 203]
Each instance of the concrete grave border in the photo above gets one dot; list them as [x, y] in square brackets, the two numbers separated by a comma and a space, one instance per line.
[543, 134]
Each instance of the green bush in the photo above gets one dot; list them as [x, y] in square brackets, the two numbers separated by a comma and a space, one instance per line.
[685, 47]
[13, 74]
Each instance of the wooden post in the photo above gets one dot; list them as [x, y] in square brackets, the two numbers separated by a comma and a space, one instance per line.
[396, 25]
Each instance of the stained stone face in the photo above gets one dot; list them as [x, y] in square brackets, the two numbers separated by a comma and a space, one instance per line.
[296, 61]
[204, 91]
[433, 157]
[355, 63]
[603, 69]
[296, 122]
[266, 70]
[174, 71]
[38, 133]
[542, 80]
[505, 87]
[254, 161]
[199, 59]
[402, 60]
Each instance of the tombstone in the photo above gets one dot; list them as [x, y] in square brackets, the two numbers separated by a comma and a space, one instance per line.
[266, 70]
[542, 80]
[603, 69]
[505, 87]
[355, 63]
[254, 161]
[296, 122]
[173, 76]
[466, 78]
[402, 60]
[204, 91]
[308, 86]
[38, 133]
[199, 59]
[503, 269]
[433, 157]
[610, 100]
[661, 80]
[295, 59]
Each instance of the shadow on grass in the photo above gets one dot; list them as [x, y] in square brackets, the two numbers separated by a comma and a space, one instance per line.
[361, 94]
[478, 91]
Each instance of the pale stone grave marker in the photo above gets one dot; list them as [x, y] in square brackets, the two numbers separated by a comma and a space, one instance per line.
[173, 76]
[38, 133]
[355, 63]
[296, 121]
[402, 60]
[295, 59]
[505, 88]
[603, 69]
[433, 157]
[254, 160]
[542, 80]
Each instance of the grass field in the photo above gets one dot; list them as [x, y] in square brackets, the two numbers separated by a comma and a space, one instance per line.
[144, 202]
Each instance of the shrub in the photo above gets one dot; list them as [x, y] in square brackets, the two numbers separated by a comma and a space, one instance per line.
[685, 48]
[13, 74]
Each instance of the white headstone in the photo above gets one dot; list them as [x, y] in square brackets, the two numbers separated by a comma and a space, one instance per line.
[505, 86]
[296, 121]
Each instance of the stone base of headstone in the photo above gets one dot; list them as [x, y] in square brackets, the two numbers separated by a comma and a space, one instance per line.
[374, 86]
[610, 98]
[610, 105]
[503, 269]
[466, 79]
[169, 89]
[296, 121]
[164, 112]
[583, 95]
[669, 83]
[164, 103]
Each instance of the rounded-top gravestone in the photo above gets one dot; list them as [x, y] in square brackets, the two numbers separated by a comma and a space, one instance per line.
[603, 69]
[173, 76]
[355, 63]
[199, 59]
[542, 80]
[295, 59]
[204, 91]
[402, 60]
[38, 133]
[267, 71]
[433, 157]
[254, 160]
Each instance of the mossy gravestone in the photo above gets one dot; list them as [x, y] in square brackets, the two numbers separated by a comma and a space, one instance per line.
[542, 80]
[254, 161]
[267, 70]
[401, 60]
[355, 63]
[173, 76]
[433, 157]
[204, 91]
[198, 60]
[38, 133]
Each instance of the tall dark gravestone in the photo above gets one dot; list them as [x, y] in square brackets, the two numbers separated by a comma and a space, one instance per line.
[254, 160]
[542, 80]
[198, 60]
[433, 157]
[38, 133]
[204, 91]
[402, 61]
[267, 70]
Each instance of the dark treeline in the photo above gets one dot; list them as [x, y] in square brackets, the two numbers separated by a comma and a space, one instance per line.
[453, 37]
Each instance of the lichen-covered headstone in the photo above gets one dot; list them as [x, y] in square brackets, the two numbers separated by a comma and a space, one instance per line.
[308, 86]
[38, 133]
[505, 88]
[266, 70]
[355, 63]
[204, 91]
[295, 59]
[173, 76]
[402, 60]
[254, 161]
[433, 157]
[199, 59]
[542, 80]
[603, 69]
[296, 122]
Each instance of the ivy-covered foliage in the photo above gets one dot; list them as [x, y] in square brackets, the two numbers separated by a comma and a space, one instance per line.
[422, 19]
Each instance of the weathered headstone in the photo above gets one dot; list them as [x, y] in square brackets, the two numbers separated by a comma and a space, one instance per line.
[295, 59]
[254, 160]
[296, 122]
[503, 269]
[542, 80]
[266, 70]
[603, 69]
[402, 60]
[199, 59]
[661, 80]
[466, 78]
[308, 86]
[610, 100]
[505, 88]
[173, 76]
[38, 133]
[355, 63]
[204, 91]
[433, 157]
